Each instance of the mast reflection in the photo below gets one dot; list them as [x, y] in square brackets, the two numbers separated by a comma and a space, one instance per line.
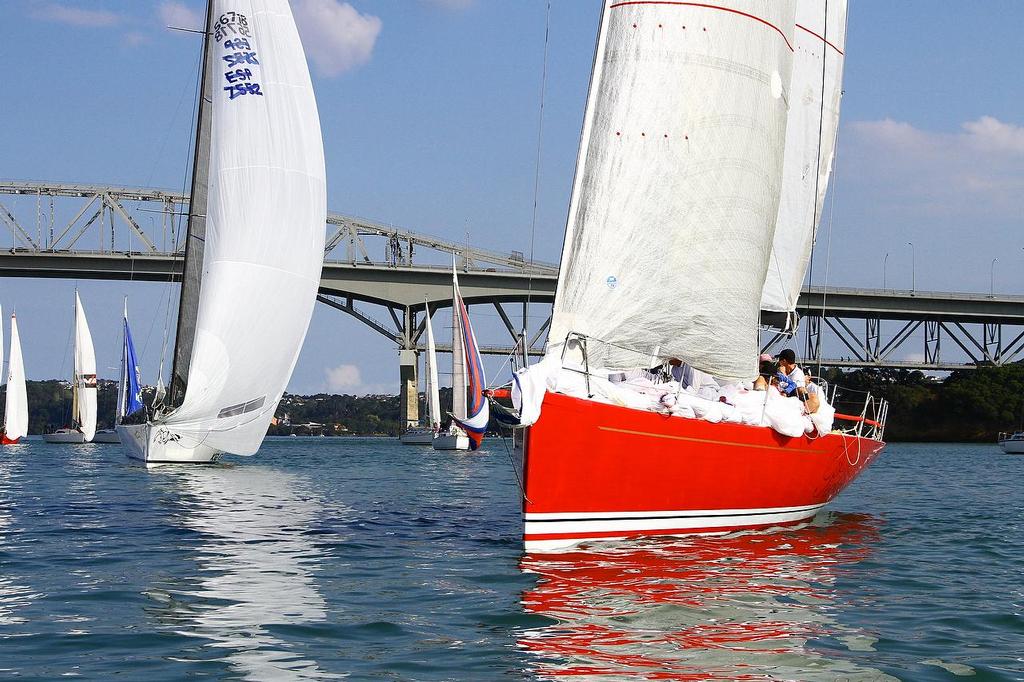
[698, 608]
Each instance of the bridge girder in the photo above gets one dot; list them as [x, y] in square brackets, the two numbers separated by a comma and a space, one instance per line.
[400, 280]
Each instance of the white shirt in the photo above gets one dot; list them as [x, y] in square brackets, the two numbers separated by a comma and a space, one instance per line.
[797, 377]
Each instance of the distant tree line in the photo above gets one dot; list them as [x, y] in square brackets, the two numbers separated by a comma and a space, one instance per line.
[968, 405]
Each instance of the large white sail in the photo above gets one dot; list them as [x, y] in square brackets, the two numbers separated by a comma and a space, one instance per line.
[430, 369]
[677, 182]
[16, 408]
[85, 374]
[459, 384]
[264, 237]
[810, 146]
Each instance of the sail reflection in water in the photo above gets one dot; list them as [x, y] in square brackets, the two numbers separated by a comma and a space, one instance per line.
[700, 608]
[255, 568]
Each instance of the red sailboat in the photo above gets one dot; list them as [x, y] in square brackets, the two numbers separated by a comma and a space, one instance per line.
[703, 163]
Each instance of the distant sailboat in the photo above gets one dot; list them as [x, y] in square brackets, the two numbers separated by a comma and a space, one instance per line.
[83, 386]
[469, 421]
[129, 386]
[255, 240]
[16, 408]
[425, 435]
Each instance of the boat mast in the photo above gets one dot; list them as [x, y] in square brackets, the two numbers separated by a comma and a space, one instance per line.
[192, 271]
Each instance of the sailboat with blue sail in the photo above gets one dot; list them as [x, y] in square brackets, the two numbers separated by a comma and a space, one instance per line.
[129, 386]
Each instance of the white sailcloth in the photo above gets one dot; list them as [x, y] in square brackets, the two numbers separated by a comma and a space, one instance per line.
[16, 408]
[433, 399]
[459, 381]
[677, 182]
[85, 374]
[264, 229]
[810, 146]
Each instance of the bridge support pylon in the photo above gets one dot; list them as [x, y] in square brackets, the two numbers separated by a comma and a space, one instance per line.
[409, 394]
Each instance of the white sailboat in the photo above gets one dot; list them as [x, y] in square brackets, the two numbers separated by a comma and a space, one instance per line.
[83, 386]
[425, 435]
[255, 240]
[16, 404]
[471, 410]
[455, 438]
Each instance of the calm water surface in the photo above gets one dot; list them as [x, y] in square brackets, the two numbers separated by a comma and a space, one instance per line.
[357, 558]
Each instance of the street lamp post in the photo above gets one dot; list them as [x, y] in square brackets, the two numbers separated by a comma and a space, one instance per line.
[992, 279]
[913, 276]
[885, 261]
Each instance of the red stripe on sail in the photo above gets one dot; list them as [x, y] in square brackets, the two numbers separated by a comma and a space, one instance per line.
[707, 6]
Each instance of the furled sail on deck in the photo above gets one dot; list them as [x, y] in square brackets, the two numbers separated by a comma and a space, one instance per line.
[810, 146]
[85, 375]
[265, 218]
[677, 182]
[16, 407]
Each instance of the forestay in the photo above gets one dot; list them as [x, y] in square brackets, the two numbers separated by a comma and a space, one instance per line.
[810, 146]
[265, 229]
[677, 182]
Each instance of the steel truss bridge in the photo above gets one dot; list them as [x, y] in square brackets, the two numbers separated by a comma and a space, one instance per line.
[386, 277]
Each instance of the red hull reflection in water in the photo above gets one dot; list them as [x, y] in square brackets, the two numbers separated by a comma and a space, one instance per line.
[697, 608]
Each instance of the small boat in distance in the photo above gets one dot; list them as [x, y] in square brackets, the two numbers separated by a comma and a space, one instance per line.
[16, 402]
[83, 386]
[255, 241]
[425, 435]
[1012, 443]
[470, 409]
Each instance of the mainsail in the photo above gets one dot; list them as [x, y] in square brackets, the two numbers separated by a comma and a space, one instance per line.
[16, 408]
[458, 354]
[84, 383]
[676, 190]
[430, 369]
[264, 228]
[810, 146]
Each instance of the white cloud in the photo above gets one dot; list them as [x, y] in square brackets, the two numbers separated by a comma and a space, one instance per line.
[76, 16]
[180, 15]
[335, 36]
[343, 378]
[976, 170]
[451, 4]
[134, 38]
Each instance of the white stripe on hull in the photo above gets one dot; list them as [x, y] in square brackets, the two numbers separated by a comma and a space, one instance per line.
[625, 524]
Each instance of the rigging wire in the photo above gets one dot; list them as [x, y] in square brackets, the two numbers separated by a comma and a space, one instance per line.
[817, 174]
[536, 175]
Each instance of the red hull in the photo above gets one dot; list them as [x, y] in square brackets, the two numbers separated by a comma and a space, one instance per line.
[593, 470]
[4, 440]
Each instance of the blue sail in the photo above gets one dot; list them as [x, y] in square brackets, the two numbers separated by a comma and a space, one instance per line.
[130, 399]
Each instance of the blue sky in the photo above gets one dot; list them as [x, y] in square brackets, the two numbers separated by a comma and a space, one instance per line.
[430, 109]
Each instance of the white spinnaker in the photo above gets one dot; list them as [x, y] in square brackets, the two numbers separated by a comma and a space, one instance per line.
[433, 399]
[16, 409]
[459, 385]
[264, 234]
[817, 70]
[85, 373]
[677, 182]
